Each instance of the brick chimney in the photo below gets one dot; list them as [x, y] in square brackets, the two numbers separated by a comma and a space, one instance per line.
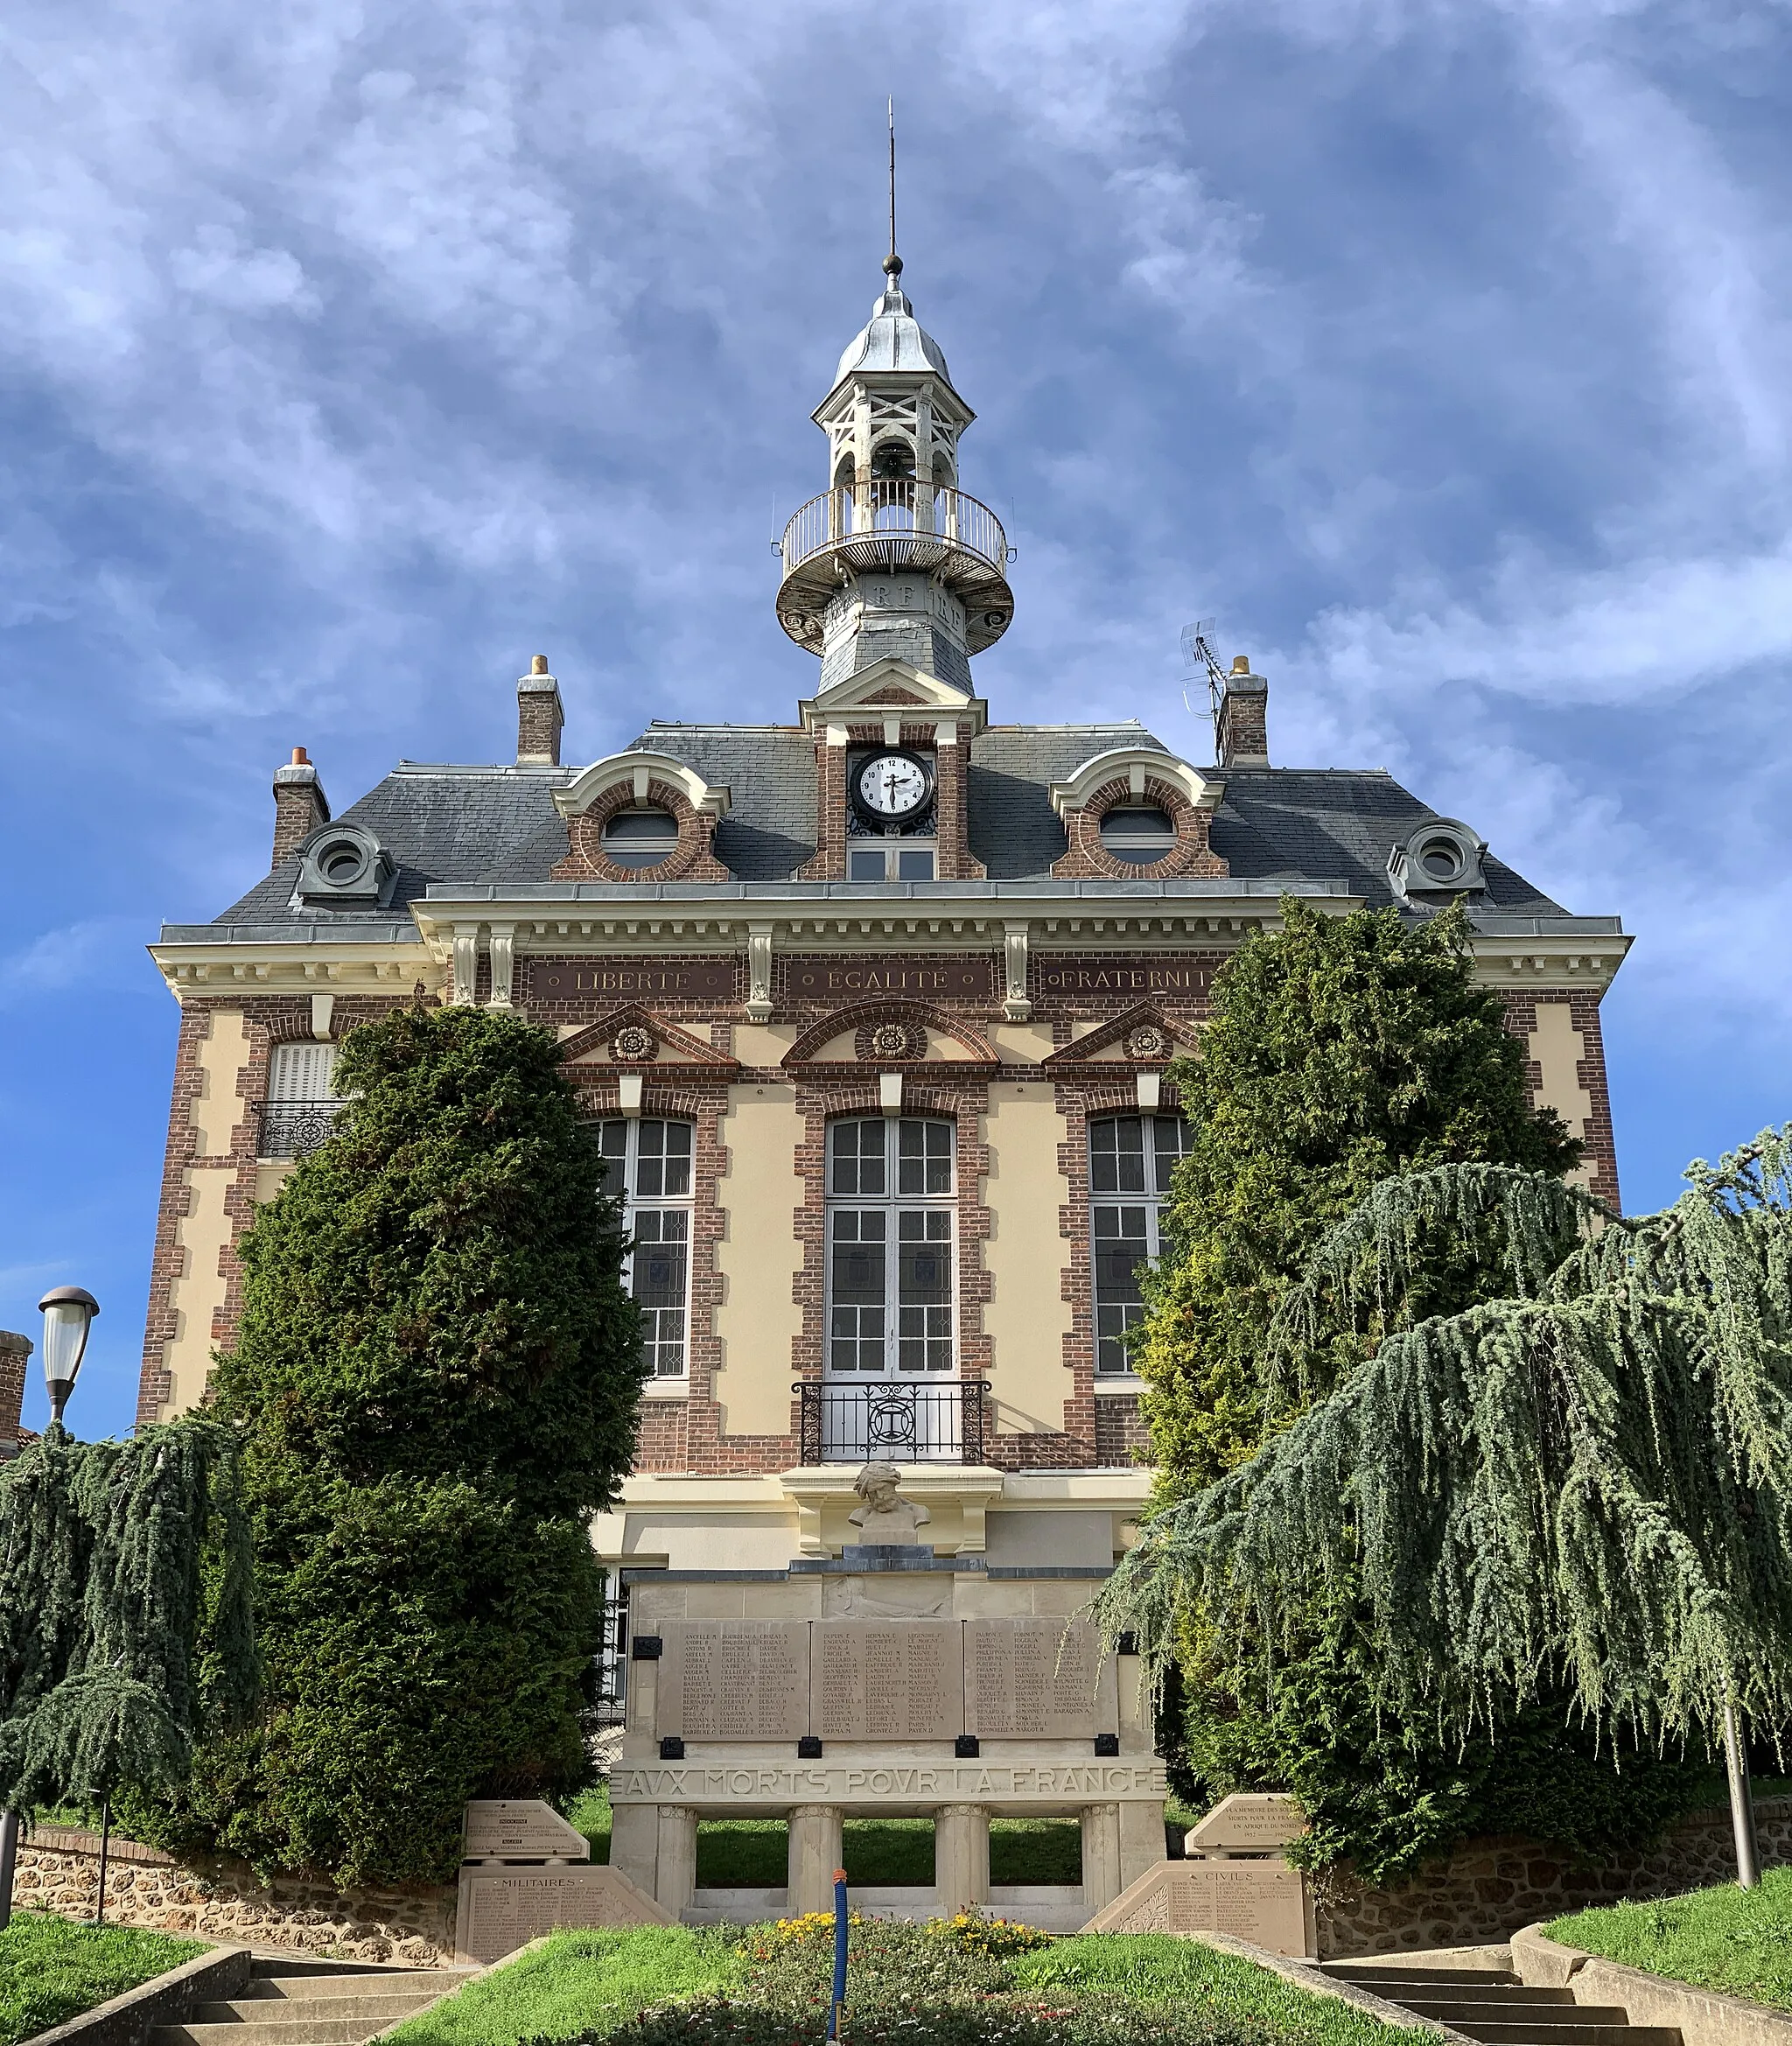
[1240, 730]
[14, 1350]
[539, 716]
[299, 805]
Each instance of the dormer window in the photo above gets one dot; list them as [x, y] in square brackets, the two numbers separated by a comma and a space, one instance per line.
[1138, 833]
[641, 837]
[1441, 858]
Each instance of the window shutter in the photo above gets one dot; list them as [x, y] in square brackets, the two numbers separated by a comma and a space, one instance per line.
[301, 1072]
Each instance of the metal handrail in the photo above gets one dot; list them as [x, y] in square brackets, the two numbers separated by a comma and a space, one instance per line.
[897, 506]
[894, 1419]
[293, 1129]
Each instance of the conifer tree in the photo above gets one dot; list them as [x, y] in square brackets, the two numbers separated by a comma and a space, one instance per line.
[126, 1624]
[436, 1379]
[1581, 1486]
[1338, 1052]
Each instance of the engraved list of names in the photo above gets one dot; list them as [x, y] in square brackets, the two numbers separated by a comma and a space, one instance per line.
[888, 1680]
[734, 1680]
[1020, 1684]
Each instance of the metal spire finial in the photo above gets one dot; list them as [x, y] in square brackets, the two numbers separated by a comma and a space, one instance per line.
[893, 263]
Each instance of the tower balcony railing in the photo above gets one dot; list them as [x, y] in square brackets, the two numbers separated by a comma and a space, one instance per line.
[892, 1420]
[896, 522]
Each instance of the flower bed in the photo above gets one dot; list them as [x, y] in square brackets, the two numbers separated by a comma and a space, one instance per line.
[968, 1981]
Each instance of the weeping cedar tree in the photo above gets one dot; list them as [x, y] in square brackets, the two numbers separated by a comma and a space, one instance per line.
[1338, 1052]
[1582, 1487]
[436, 1379]
[126, 1625]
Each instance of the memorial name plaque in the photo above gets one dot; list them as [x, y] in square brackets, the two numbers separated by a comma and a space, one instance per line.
[1263, 1902]
[632, 980]
[520, 1829]
[734, 1680]
[887, 1680]
[1054, 974]
[503, 1909]
[1248, 1822]
[1033, 1679]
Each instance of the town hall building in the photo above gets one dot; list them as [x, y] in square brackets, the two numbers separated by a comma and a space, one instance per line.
[872, 1011]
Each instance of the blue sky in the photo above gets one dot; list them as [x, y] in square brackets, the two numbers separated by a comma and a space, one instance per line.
[353, 353]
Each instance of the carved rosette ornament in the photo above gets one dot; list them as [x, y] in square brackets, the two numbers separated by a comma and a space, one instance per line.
[634, 1042]
[1147, 1041]
[894, 1041]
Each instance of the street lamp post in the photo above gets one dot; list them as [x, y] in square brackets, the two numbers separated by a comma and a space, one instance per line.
[68, 1313]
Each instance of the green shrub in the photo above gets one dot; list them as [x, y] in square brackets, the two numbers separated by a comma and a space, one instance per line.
[436, 1377]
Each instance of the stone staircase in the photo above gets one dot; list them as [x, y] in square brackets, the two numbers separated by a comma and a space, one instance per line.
[296, 2002]
[1493, 2006]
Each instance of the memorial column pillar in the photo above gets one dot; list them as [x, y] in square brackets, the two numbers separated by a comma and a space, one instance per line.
[1101, 1856]
[962, 1857]
[676, 1884]
[1142, 1843]
[816, 1846]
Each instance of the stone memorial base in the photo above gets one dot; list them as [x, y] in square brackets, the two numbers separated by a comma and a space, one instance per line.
[1267, 1902]
[890, 1682]
[502, 1909]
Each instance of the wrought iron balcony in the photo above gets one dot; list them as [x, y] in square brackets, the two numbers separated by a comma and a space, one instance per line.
[894, 1420]
[893, 523]
[291, 1128]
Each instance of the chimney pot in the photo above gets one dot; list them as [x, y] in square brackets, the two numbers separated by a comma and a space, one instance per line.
[539, 665]
[300, 758]
[1240, 664]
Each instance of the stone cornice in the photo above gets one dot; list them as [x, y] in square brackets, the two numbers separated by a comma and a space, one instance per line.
[1006, 917]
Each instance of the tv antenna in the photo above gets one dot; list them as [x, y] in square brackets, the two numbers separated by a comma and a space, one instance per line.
[1198, 652]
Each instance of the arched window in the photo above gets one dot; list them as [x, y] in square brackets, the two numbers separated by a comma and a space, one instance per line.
[1130, 1159]
[1137, 834]
[647, 1160]
[641, 837]
[891, 1205]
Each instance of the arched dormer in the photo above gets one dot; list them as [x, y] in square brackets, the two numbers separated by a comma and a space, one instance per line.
[641, 815]
[1135, 814]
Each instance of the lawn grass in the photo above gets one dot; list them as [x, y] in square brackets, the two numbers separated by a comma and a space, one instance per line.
[1729, 1938]
[596, 1982]
[752, 1854]
[52, 1969]
[576, 1982]
[1156, 1967]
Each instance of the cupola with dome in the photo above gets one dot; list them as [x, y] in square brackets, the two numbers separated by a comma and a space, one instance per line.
[893, 559]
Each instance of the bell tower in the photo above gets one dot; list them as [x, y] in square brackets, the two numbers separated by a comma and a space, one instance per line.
[893, 559]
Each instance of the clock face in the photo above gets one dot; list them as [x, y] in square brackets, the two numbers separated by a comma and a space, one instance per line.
[892, 785]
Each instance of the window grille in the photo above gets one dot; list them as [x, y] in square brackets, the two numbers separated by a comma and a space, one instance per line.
[1130, 1159]
[647, 1160]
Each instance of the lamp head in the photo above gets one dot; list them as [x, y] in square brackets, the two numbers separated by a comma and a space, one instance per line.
[68, 1313]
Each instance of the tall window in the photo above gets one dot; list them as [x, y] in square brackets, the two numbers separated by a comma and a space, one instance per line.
[648, 1161]
[890, 1227]
[301, 1106]
[1130, 1159]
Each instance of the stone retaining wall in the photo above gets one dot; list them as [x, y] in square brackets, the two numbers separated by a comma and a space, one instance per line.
[217, 1897]
[1488, 1889]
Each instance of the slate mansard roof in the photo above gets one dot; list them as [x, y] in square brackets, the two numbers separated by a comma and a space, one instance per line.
[491, 830]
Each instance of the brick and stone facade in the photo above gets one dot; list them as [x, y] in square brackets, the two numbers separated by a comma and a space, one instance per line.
[1016, 976]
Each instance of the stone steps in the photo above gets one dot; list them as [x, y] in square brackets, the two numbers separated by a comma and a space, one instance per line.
[1493, 2007]
[313, 2004]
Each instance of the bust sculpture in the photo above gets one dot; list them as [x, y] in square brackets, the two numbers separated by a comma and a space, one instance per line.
[884, 1520]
